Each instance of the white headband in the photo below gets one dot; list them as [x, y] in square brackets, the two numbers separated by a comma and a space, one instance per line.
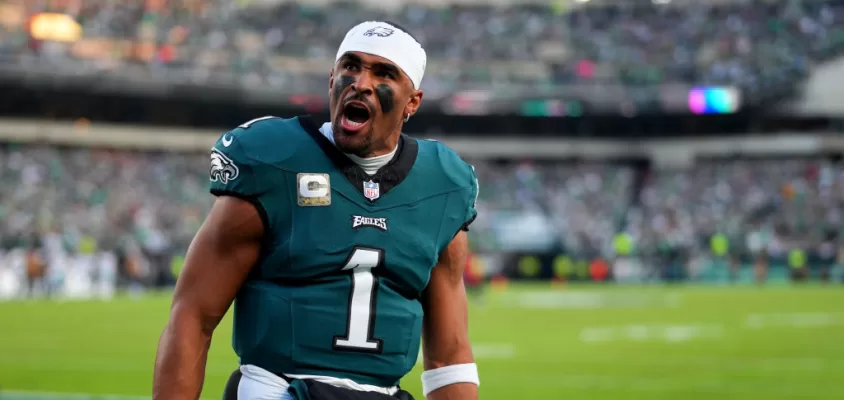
[385, 40]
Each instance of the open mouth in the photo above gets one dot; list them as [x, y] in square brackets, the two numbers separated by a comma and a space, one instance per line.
[355, 116]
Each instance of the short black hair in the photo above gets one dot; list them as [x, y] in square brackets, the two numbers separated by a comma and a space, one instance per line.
[403, 29]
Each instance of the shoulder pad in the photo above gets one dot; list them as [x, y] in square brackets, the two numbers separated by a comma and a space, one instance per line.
[458, 174]
[453, 167]
[268, 140]
[243, 159]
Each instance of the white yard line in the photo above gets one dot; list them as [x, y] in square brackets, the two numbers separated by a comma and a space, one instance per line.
[587, 300]
[669, 333]
[794, 320]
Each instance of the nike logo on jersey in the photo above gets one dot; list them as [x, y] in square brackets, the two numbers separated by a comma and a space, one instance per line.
[227, 140]
[362, 222]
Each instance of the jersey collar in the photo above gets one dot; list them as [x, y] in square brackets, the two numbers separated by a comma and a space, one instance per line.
[387, 177]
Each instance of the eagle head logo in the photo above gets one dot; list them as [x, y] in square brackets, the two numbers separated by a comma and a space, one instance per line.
[380, 31]
[222, 168]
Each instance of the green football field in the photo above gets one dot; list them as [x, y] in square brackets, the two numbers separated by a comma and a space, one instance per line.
[531, 342]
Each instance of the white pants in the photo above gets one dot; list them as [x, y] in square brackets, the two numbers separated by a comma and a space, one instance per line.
[260, 384]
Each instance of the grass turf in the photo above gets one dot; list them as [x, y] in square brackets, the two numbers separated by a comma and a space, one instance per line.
[531, 342]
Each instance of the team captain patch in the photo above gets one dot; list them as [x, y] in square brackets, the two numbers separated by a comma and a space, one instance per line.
[313, 190]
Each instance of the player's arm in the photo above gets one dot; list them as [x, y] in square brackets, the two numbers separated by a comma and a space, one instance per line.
[218, 261]
[450, 372]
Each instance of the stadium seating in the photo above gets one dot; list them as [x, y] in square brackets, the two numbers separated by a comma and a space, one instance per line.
[769, 205]
[119, 200]
[747, 44]
[113, 197]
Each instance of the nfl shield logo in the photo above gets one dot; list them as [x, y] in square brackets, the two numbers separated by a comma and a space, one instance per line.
[370, 190]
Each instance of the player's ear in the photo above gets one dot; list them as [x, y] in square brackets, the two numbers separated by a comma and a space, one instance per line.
[414, 103]
[330, 80]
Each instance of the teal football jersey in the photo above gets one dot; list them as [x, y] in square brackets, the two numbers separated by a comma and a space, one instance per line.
[346, 256]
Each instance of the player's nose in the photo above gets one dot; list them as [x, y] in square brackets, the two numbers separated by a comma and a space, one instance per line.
[364, 84]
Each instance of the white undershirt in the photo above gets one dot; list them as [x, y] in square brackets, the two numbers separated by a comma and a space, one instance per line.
[370, 165]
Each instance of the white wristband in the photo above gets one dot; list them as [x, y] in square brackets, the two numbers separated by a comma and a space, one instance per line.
[459, 373]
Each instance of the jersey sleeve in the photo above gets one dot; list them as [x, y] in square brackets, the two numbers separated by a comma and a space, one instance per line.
[471, 211]
[231, 171]
[236, 166]
[461, 183]
[248, 162]
[239, 166]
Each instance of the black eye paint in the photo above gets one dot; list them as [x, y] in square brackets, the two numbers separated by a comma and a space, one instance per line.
[345, 81]
[385, 97]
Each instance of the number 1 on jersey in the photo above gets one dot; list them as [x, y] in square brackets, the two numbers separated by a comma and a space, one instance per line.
[360, 328]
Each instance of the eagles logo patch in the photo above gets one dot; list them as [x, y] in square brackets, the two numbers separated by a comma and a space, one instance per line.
[222, 168]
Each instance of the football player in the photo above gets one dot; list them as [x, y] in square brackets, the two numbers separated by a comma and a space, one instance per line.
[342, 246]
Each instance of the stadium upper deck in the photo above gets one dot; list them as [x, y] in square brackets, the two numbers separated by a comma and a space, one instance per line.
[471, 44]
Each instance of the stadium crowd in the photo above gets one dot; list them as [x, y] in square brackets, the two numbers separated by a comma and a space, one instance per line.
[760, 209]
[145, 207]
[743, 43]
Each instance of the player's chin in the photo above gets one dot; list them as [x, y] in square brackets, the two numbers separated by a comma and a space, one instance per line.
[351, 143]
